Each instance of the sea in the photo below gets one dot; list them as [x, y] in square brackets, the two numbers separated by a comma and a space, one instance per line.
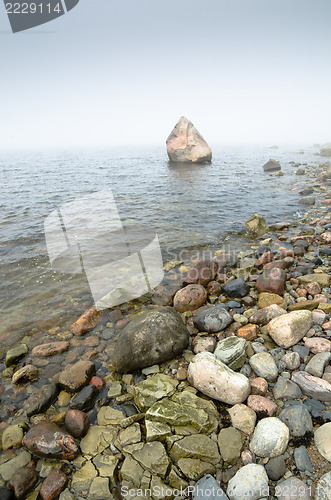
[187, 206]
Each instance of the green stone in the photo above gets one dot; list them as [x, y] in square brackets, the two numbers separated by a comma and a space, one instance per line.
[195, 469]
[147, 392]
[197, 446]
[230, 442]
[15, 353]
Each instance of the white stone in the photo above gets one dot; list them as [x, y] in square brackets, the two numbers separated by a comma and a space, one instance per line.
[216, 380]
[322, 438]
[270, 438]
[288, 329]
[250, 482]
[323, 489]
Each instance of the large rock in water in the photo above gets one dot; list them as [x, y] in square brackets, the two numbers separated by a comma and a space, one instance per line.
[272, 166]
[185, 144]
[152, 337]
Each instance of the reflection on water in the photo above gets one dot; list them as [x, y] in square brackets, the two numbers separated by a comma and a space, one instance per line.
[186, 205]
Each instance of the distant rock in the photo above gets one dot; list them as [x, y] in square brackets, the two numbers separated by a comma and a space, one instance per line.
[272, 166]
[185, 144]
[326, 151]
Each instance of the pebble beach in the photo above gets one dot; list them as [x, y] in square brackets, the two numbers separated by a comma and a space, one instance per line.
[215, 385]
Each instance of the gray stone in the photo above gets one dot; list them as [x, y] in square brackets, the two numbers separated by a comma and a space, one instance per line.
[216, 380]
[291, 361]
[307, 200]
[263, 364]
[250, 482]
[312, 386]
[207, 489]
[152, 337]
[286, 389]
[213, 320]
[230, 442]
[236, 288]
[232, 352]
[153, 457]
[197, 446]
[298, 420]
[292, 489]
[302, 351]
[15, 353]
[323, 488]
[8, 469]
[302, 460]
[276, 468]
[317, 364]
[270, 438]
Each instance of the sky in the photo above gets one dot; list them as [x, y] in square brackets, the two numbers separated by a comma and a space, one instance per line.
[121, 72]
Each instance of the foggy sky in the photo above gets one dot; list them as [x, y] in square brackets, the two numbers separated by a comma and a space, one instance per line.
[121, 72]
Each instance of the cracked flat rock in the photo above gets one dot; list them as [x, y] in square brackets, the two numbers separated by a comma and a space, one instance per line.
[148, 391]
[270, 438]
[97, 439]
[197, 446]
[216, 380]
[153, 457]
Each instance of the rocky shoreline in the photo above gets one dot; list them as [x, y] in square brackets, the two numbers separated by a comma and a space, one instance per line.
[219, 379]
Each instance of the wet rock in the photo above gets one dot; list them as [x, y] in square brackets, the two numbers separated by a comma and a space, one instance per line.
[9, 468]
[184, 410]
[256, 225]
[302, 461]
[53, 485]
[25, 374]
[84, 399]
[202, 273]
[264, 365]
[259, 386]
[153, 457]
[185, 144]
[230, 442]
[148, 391]
[214, 288]
[6, 494]
[108, 415]
[15, 353]
[248, 332]
[236, 288]
[203, 344]
[270, 438]
[323, 487]
[293, 489]
[286, 389]
[251, 481]
[317, 344]
[75, 377]
[265, 258]
[288, 329]
[307, 200]
[152, 337]
[262, 406]
[298, 420]
[40, 403]
[226, 261]
[87, 321]
[97, 382]
[198, 446]
[242, 418]
[322, 439]
[47, 440]
[276, 468]
[50, 349]
[213, 320]
[100, 489]
[272, 281]
[12, 437]
[317, 364]
[207, 489]
[77, 423]
[232, 352]
[82, 479]
[23, 481]
[272, 165]
[216, 380]
[190, 297]
[313, 386]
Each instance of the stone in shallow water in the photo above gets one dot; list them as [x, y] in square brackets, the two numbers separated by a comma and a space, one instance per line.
[264, 365]
[270, 438]
[292, 489]
[47, 440]
[288, 329]
[75, 377]
[8, 469]
[148, 391]
[41, 402]
[77, 423]
[216, 380]
[15, 353]
[202, 272]
[12, 437]
[298, 420]
[25, 374]
[23, 481]
[207, 489]
[50, 349]
[87, 321]
[152, 337]
[84, 399]
[213, 320]
[250, 482]
[313, 386]
[322, 438]
[232, 352]
[185, 144]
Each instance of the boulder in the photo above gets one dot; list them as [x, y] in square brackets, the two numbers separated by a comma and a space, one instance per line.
[272, 166]
[185, 144]
[288, 329]
[216, 380]
[152, 337]
[256, 225]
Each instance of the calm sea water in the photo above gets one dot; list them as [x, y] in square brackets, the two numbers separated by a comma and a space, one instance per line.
[186, 206]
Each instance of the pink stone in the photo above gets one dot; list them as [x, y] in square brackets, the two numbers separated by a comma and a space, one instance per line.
[313, 288]
[313, 386]
[262, 406]
[190, 298]
[202, 272]
[318, 316]
[259, 386]
[49, 349]
[327, 325]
